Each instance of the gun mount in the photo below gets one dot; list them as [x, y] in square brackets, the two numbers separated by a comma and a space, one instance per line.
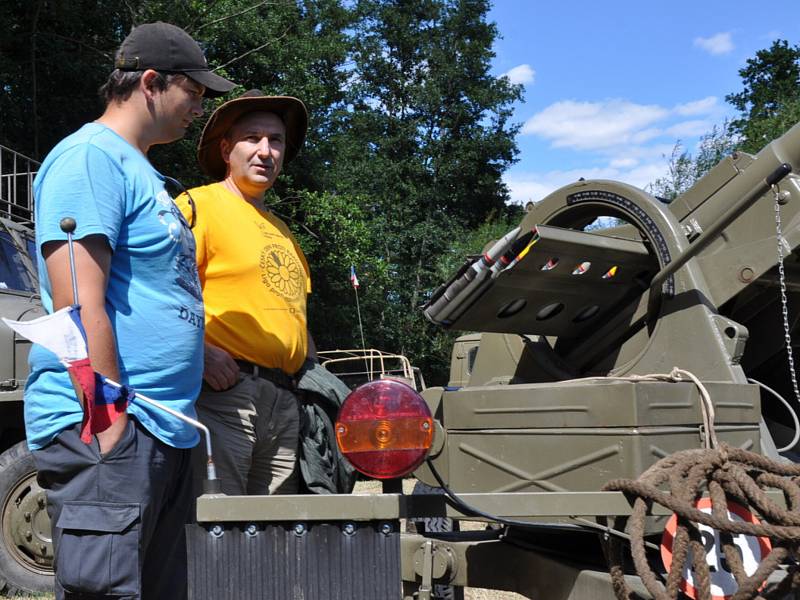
[570, 384]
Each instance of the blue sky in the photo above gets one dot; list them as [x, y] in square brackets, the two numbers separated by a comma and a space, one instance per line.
[611, 86]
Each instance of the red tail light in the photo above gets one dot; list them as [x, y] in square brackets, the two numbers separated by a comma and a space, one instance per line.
[385, 429]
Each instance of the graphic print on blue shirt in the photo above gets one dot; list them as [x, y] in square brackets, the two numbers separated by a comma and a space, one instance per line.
[185, 263]
[153, 295]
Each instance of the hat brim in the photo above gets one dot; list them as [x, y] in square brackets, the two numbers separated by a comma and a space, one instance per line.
[215, 85]
[291, 111]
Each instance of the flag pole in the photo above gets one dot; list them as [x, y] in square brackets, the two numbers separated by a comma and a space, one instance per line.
[354, 281]
[211, 485]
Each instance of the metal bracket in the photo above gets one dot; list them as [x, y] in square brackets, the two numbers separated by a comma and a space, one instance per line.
[426, 587]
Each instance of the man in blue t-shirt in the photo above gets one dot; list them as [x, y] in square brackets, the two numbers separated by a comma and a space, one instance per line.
[118, 505]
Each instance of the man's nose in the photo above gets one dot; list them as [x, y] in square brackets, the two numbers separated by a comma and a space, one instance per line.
[263, 146]
[197, 109]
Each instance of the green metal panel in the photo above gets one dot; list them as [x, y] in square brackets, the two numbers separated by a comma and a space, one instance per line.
[596, 403]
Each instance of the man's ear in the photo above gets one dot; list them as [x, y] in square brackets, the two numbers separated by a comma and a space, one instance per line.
[225, 147]
[147, 83]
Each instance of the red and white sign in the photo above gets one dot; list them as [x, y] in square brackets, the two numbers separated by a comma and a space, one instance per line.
[751, 549]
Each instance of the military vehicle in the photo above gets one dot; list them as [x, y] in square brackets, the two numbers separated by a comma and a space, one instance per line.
[26, 551]
[596, 352]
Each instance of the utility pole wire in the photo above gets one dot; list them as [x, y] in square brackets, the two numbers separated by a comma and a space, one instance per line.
[231, 16]
[256, 49]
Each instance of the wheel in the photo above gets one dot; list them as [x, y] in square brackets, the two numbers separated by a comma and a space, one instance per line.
[26, 544]
[437, 525]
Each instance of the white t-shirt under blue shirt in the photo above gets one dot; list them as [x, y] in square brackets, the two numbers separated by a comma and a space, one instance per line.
[153, 298]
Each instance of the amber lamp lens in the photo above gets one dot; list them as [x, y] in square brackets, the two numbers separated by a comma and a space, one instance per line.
[385, 429]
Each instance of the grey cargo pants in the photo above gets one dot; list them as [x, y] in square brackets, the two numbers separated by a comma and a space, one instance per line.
[119, 518]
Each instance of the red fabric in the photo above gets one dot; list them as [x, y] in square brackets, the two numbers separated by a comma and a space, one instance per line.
[99, 412]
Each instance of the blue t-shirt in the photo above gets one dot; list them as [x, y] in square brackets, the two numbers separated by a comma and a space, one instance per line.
[153, 298]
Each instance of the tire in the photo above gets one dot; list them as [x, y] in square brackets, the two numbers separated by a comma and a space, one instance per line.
[437, 525]
[26, 545]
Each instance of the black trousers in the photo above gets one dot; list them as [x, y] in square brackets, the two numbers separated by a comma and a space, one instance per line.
[119, 518]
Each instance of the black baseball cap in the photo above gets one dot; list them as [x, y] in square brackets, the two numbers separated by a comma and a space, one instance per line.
[167, 48]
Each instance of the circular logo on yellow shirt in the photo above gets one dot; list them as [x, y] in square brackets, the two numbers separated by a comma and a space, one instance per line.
[281, 272]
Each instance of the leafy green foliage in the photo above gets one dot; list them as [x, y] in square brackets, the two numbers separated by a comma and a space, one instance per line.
[769, 104]
[685, 169]
[409, 133]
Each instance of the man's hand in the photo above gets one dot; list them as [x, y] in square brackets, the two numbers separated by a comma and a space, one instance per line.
[92, 266]
[109, 438]
[219, 369]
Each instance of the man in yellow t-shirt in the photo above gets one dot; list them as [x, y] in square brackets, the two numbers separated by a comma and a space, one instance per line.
[255, 280]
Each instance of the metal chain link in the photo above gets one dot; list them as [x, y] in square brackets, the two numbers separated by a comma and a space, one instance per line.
[787, 334]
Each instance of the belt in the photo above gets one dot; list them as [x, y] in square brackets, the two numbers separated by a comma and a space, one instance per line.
[276, 376]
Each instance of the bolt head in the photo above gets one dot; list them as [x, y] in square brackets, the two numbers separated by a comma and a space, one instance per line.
[251, 529]
[29, 535]
[386, 528]
[349, 528]
[299, 528]
[27, 516]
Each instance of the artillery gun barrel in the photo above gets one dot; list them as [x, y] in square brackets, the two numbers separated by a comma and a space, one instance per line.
[729, 216]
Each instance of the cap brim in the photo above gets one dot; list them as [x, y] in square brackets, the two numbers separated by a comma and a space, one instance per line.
[215, 85]
[291, 110]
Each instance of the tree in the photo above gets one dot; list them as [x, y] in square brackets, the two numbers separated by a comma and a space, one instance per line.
[769, 104]
[685, 170]
[426, 141]
[409, 131]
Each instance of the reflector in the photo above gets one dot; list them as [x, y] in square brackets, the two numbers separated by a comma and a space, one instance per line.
[384, 429]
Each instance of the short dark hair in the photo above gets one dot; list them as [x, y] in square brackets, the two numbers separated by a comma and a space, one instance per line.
[120, 84]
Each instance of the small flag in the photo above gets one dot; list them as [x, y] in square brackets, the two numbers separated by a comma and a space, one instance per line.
[62, 333]
[353, 277]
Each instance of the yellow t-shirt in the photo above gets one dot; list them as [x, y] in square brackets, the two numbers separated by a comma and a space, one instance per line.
[255, 279]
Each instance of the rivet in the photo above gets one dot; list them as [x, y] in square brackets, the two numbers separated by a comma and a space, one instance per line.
[217, 531]
[349, 528]
[386, 528]
[251, 530]
[746, 275]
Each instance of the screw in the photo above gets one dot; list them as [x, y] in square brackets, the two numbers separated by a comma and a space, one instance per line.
[299, 529]
[426, 425]
[386, 528]
[217, 531]
[349, 528]
[27, 516]
[251, 530]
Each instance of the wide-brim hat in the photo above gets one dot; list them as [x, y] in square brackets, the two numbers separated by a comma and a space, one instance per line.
[290, 110]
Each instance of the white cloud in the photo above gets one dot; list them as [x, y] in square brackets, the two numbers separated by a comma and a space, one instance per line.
[594, 125]
[520, 74]
[720, 43]
[623, 163]
[526, 187]
[698, 107]
[686, 129]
